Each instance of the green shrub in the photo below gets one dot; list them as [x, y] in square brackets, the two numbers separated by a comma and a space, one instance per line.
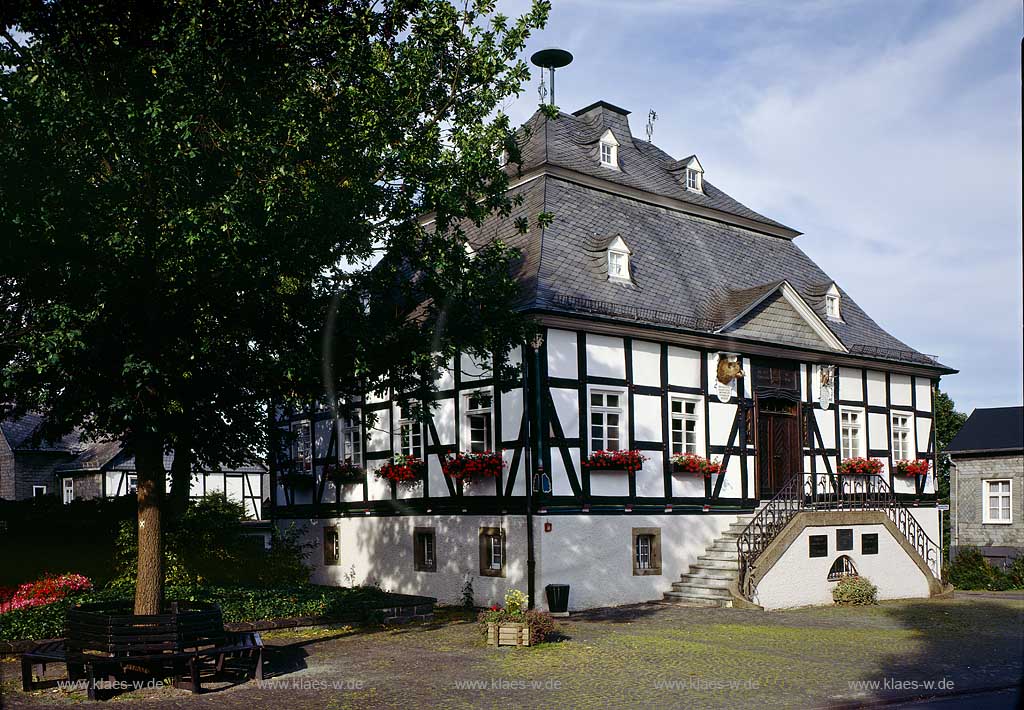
[970, 570]
[853, 590]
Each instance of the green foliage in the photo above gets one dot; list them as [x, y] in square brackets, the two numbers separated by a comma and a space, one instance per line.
[970, 570]
[207, 544]
[467, 594]
[236, 603]
[854, 590]
[515, 601]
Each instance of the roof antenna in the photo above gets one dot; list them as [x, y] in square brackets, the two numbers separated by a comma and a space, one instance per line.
[550, 59]
[651, 118]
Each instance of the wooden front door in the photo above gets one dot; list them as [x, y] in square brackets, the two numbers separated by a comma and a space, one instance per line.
[778, 444]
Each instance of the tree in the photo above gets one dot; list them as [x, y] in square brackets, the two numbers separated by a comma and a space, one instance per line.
[948, 422]
[190, 190]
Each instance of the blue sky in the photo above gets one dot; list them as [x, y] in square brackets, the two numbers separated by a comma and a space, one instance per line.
[887, 132]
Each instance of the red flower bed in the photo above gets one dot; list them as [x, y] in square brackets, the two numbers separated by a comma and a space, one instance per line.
[692, 463]
[918, 467]
[474, 467]
[406, 470]
[45, 591]
[860, 465]
[631, 461]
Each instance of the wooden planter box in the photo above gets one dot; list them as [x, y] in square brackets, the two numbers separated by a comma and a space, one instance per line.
[508, 634]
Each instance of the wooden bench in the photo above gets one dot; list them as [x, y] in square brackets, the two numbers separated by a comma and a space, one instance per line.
[104, 641]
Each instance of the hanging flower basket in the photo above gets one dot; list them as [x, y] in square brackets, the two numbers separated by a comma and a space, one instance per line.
[474, 467]
[403, 470]
[343, 473]
[295, 480]
[629, 461]
[692, 463]
[860, 466]
[917, 467]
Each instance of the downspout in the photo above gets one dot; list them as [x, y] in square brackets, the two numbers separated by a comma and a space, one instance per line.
[537, 470]
[954, 532]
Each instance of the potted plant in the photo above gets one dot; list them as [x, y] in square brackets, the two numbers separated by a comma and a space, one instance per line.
[474, 467]
[917, 467]
[343, 473]
[629, 461]
[513, 624]
[404, 470]
[860, 466]
[694, 463]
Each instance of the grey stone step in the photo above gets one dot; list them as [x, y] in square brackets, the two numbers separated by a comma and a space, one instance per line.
[687, 600]
[703, 592]
[704, 562]
[713, 554]
[723, 545]
[711, 573]
[722, 581]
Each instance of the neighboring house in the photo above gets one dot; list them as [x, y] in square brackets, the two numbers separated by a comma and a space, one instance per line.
[986, 484]
[71, 468]
[675, 320]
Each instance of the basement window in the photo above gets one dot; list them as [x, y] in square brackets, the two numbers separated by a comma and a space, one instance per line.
[332, 546]
[842, 567]
[424, 553]
[646, 551]
[492, 552]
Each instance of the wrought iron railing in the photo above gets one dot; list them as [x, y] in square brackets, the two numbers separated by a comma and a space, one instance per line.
[832, 492]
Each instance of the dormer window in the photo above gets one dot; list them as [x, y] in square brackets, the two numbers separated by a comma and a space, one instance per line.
[618, 260]
[692, 180]
[692, 175]
[832, 309]
[609, 151]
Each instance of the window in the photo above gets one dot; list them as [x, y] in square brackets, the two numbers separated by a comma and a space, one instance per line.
[69, 490]
[131, 484]
[38, 491]
[685, 414]
[609, 151]
[478, 418]
[842, 567]
[869, 544]
[997, 501]
[302, 451]
[350, 438]
[844, 539]
[605, 420]
[901, 428]
[492, 552]
[410, 433]
[693, 179]
[332, 546]
[832, 303]
[424, 559]
[646, 551]
[850, 425]
[618, 265]
[817, 546]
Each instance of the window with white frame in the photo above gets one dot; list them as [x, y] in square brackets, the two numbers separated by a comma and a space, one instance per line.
[410, 432]
[997, 503]
[618, 264]
[902, 428]
[851, 429]
[693, 179]
[646, 551]
[685, 417]
[609, 151]
[478, 420]
[350, 438]
[606, 416]
[38, 491]
[492, 552]
[832, 309]
[644, 543]
[302, 450]
[69, 490]
[131, 484]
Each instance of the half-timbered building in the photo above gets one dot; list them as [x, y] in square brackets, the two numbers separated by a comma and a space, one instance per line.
[675, 321]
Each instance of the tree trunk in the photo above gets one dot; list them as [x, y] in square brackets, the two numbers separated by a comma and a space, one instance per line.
[181, 474]
[152, 479]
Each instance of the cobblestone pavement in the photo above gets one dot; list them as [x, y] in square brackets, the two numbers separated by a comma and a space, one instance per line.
[641, 656]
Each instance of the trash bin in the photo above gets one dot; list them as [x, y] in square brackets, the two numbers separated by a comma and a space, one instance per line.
[558, 599]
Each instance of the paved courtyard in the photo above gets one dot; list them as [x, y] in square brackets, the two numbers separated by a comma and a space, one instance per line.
[642, 656]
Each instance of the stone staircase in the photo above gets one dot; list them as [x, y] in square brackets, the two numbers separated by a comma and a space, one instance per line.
[708, 579]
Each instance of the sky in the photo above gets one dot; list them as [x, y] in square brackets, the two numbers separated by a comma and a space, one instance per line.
[889, 133]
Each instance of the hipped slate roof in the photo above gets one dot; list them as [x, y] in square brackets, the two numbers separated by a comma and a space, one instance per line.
[690, 272]
[993, 430]
[22, 434]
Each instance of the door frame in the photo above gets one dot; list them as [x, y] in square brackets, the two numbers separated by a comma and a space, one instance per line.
[756, 419]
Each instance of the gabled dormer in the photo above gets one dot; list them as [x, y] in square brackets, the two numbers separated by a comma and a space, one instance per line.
[608, 150]
[833, 303]
[618, 254]
[692, 174]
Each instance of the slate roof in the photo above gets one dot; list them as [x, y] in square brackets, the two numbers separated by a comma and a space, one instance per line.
[126, 462]
[688, 271]
[22, 435]
[990, 430]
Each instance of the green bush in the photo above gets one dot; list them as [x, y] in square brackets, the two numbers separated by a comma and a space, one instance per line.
[970, 570]
[853, 590]
[236, 603]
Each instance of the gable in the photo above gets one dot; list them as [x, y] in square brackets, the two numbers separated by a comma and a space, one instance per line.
[775, 319]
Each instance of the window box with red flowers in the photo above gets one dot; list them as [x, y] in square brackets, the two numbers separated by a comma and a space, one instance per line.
[474, 467]
[343, 473]
[695, 464]
[860, 466]
[918, 467]
[404, 470]
[296, 480]
[629, 461]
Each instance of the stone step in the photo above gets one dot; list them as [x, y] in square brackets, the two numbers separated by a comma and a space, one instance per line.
[710, 574]
[726, 554]
[687, 600]
[694, 580]
[703, 592]
[721, 545]
[704, 562]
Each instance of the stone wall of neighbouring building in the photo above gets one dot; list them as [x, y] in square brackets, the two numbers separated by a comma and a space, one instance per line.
[998, 541]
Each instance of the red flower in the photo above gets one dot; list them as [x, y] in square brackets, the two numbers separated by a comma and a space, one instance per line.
[472, 467]
[917, 467]
[858, 465]
[45, 591]
[495, 607]
[692, 463]
[407, 470]
[631, 461]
